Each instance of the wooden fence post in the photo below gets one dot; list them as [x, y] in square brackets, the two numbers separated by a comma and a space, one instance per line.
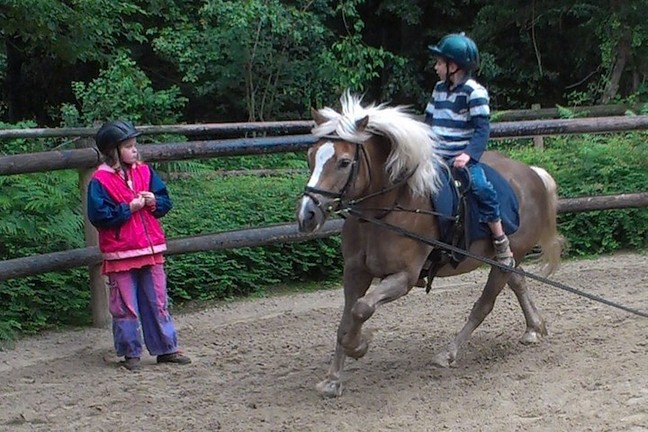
[538, 140]
[98, 287]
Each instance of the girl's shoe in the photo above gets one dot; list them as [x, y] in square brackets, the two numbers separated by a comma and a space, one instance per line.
[175, 357]
[132, 364]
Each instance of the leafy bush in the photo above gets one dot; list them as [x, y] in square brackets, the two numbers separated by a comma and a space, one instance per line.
[123, 91]
[597, 165]
[238, 202]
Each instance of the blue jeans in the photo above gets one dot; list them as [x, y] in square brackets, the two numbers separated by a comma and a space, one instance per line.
[484, 193]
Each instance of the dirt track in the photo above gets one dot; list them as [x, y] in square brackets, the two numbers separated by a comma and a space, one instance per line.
[256, 364]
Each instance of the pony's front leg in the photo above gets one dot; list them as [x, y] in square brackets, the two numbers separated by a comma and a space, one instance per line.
[482, 307]
[356, 283]
[390, 288]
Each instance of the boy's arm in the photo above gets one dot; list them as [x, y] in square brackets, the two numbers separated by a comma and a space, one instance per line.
[478, 104]
[479, 139]
[162, 200]
[103, 211]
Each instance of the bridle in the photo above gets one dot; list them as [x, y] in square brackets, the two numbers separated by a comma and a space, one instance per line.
[311, 192]
[339, 205]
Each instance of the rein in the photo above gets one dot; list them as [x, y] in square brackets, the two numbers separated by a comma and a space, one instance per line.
[439, 244]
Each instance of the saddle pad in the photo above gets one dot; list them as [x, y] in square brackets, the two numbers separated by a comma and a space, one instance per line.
[446, 202]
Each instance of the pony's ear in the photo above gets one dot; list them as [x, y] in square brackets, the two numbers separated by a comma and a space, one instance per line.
[319, 118]
[361, 124]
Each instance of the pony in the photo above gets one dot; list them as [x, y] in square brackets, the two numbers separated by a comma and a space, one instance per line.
[379, 160]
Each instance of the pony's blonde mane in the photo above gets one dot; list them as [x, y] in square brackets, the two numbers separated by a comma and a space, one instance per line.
[413, 143]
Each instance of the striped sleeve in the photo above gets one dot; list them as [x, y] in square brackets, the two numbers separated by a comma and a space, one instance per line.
[478, 100]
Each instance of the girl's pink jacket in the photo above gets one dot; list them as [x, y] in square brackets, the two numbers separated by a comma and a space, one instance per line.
[123, 234]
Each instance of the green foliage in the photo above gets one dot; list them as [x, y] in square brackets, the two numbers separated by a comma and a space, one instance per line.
[259, 57]
[123, 91]
[86, 31]
[21, 145]
[237, 202]
[44, 301]
[356, 64]
[40, 213]
[273, 59]
[597, 165]
[270, 161]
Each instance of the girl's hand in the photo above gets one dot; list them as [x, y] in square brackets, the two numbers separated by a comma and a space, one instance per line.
[149, 198]
[137, 204]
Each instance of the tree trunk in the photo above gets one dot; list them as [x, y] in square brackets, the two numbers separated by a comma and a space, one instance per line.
[622, 57]
[13, 79]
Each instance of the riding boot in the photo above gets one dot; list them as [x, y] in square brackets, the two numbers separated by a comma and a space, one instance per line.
[503, 253]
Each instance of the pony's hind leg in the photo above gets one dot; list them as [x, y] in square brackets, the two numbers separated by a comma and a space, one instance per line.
[535, 325]
[356, 284]
[482, 307]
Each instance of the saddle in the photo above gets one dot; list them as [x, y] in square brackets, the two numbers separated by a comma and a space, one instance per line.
[458, 217]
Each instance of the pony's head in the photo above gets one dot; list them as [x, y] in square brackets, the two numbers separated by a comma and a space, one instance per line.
[346, 162]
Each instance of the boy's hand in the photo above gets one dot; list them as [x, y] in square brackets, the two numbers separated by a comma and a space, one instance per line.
[149, 198]
[461, 160]
[137, 204]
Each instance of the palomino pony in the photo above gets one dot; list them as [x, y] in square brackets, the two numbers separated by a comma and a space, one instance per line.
[379, 160]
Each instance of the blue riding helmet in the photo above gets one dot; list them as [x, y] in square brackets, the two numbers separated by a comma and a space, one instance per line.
[458, 48]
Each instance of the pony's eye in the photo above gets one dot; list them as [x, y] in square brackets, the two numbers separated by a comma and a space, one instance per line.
[344, 163]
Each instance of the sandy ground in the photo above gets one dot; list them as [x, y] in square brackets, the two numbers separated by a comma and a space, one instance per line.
[256, 364]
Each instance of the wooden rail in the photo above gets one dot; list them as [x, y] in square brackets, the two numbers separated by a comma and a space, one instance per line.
[285, 233]
[88, 157]
[304, 126]
[548, 113]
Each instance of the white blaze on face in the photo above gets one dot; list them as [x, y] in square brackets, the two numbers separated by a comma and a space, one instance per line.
[324, 153]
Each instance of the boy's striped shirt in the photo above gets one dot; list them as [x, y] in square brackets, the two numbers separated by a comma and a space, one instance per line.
[450, 113]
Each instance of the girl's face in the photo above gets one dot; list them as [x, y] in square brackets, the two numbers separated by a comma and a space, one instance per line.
[128, 151]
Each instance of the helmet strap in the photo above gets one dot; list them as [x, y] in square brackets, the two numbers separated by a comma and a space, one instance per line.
[449, 74]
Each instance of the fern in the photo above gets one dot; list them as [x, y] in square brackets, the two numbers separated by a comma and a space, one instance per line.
[40, 212]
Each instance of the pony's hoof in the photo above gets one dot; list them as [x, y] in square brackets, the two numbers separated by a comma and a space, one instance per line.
[329, 388]
[445, 359]
[531, 337]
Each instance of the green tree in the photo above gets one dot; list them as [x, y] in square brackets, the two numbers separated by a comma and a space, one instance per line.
[48, 42]
[555, 51]
[123, 91]
[270, 59]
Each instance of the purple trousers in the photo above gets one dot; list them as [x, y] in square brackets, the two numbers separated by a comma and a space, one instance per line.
[140, 296]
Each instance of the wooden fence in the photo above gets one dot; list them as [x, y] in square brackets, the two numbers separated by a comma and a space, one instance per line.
[537, 113]
[85, 158]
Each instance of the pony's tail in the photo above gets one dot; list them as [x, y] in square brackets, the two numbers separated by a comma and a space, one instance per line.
[551, 242]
